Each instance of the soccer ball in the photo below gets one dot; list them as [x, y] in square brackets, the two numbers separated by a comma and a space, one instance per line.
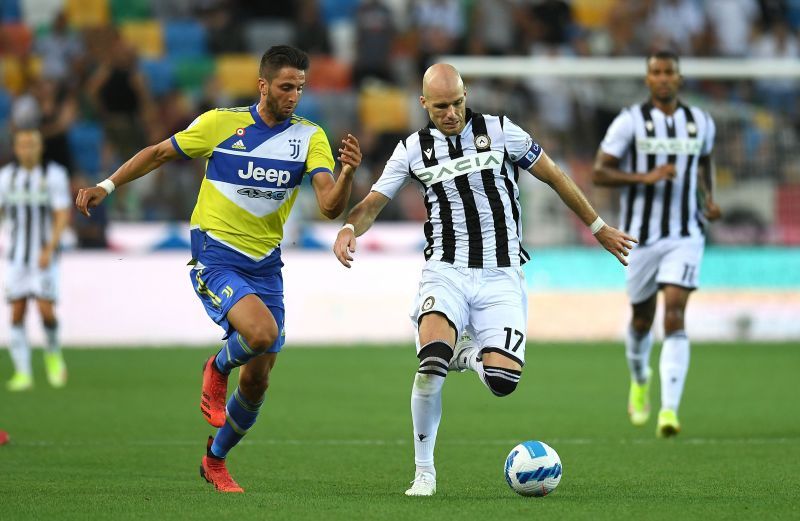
[533, 468]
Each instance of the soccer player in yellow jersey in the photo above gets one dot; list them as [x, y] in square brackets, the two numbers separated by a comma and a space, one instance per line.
[256, 157]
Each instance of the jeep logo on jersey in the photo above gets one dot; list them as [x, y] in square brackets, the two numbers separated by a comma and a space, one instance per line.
[271, 175]
[255, 193]
[294, 145]
[460, 166]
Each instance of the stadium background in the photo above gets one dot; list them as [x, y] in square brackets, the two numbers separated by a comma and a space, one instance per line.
[123, 271]
[123, 439]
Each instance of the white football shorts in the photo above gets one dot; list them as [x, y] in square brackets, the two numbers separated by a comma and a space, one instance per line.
[666, 261]
[26, 282]
[491, 304]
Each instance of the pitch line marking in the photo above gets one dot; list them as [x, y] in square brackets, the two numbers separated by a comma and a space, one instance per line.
[403, 442]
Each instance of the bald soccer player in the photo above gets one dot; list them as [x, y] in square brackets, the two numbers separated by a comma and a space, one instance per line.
[466, 165]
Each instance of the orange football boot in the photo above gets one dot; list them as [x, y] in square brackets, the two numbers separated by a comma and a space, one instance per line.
[213, 470]
[215, 390]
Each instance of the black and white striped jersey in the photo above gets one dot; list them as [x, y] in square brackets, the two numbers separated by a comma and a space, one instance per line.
[643, 137]
[28, 198]
[470, 186]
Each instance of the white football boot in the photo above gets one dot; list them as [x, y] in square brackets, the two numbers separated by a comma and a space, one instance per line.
[424, 484]
[465, 349]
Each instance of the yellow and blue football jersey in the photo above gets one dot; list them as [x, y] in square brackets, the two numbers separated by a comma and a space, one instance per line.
[253, 175]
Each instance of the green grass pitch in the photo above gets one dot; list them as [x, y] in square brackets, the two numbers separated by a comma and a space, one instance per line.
[124, 439]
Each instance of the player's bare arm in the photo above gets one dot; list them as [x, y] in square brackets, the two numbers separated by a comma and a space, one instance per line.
[607, 172]
[60, 222]
[361, 218]
[332, 196]
[613, 240]
[144, 162]
[706, 180]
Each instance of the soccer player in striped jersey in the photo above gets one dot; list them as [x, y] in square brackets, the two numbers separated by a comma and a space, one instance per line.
[654, 152]
[257, 158]
[35, 199]
[467, 166]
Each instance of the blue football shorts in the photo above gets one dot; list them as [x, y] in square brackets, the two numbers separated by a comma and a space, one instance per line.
[220, 288]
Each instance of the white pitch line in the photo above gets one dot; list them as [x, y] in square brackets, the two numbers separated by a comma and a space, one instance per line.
[399, 442]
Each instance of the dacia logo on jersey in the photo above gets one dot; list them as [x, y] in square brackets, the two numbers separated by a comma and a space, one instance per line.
[255, 193]
[460, 166]
[676, 146]
[294, 146]
[271, 175]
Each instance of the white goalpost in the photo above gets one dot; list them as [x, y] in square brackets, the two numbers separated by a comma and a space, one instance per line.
[574, 67]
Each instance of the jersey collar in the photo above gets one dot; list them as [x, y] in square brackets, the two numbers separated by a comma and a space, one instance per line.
[259, 123]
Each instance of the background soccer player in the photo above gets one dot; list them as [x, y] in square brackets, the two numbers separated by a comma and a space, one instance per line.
[257, 158]
[653, 152]
[466, 165]
[35, 198]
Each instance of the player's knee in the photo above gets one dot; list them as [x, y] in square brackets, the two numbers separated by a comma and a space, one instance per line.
[434, 358]
[673, 318]
[642, 321]
[49, 323]
[260, 339]
[643, 315]
[642, 325]
[673, 312]
[500, 380]
[17, 317]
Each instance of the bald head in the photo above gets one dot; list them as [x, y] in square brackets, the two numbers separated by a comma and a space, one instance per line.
[444, 97]
[441, 77]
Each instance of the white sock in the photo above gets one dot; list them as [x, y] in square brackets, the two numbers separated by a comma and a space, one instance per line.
[481, 372]
[673, 366]
[19, 351]
[421, 469]
[637, 351]
[426, 413]
[52, 339]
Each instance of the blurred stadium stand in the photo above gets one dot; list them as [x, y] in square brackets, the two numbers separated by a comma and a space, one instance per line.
[366, 58]
[205, 54]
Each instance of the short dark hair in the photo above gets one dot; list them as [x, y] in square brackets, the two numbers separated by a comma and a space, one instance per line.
[663, 54]
[280, 56]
